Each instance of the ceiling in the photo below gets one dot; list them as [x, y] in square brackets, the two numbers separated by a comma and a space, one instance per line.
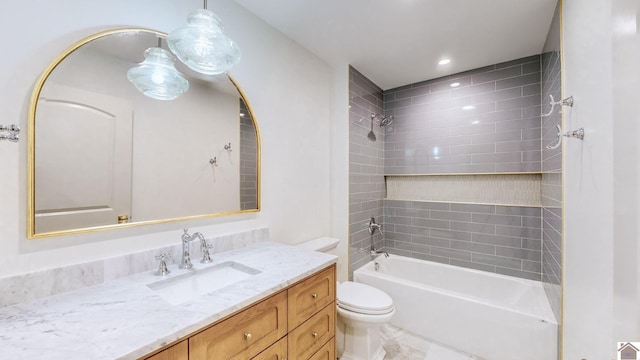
[398, 42]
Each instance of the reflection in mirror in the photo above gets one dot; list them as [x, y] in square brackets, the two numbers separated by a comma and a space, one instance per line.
[102, 154]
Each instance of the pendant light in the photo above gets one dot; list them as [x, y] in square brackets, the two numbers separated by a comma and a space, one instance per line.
[156, 77]
[202, 45]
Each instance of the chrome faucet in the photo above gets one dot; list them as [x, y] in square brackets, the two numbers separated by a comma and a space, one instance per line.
[373, 226]
[375, 253]
[185, 263]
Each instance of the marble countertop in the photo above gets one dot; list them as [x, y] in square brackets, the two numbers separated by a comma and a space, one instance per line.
[124, 319]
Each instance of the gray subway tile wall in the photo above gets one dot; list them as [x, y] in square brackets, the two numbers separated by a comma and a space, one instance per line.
[366, 167]
[489, 123]
[248, 161]
[499, 239]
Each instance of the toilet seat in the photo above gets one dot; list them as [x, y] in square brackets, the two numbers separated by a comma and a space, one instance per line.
[363, 299]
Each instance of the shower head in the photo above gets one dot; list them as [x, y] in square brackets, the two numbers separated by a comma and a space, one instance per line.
[386, 121]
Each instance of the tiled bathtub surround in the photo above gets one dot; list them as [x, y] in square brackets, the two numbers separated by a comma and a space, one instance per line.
[17, 289]
[499, 239]
[503, 189]
[366, 166]
[489, 123]
[552, 171]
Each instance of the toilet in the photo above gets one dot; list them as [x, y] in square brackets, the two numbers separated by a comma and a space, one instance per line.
[362, 310]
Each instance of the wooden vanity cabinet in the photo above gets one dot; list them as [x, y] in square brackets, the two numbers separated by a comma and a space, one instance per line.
[245, 334]
[179, 351]
[277, 351]
[326, 352]
[310, 295]
[295, 324]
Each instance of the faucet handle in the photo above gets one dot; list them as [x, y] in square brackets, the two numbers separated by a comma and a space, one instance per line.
[163, 256]
[206, 257]
[162, 267]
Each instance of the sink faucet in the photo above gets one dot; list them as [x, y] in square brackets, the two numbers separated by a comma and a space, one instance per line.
[185, 263]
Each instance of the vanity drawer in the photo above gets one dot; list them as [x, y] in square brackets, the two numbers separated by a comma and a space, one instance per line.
[277, 351]
[311, 295]
[179, 351]
[327, 352]
[243, 335]
[306, 339]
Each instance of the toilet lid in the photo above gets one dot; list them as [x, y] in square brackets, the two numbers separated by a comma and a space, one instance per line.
[363, 299]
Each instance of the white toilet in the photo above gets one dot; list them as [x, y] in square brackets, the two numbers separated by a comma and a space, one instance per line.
[362, 309]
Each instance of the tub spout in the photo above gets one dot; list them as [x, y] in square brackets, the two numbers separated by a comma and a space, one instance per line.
[376, 253]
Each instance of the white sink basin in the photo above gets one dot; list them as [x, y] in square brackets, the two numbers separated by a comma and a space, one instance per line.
[188, 286]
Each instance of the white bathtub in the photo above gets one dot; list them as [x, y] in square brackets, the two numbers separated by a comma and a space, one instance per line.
[489, 315]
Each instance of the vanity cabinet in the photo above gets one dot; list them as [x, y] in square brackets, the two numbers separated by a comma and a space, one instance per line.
[277, 351]
[245, 334]
[179, 351]
[297, 323]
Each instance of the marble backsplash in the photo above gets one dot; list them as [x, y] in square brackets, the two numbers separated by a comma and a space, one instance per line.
[20, 288]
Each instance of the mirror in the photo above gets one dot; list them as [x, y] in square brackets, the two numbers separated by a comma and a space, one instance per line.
[102, 155]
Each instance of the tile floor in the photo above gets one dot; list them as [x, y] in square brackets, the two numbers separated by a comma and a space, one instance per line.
[403, 345]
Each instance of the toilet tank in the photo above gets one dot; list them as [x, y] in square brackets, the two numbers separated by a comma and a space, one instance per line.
[324, 244]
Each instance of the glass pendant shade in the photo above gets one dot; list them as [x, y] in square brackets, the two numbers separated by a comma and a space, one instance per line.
[202, 45]
[156, 77]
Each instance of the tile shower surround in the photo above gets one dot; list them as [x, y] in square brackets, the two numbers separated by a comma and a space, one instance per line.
[498, 239]
[433, 134]
[366, 167]
[490, 123]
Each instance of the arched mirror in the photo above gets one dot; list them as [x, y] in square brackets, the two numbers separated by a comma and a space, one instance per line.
[102, 155]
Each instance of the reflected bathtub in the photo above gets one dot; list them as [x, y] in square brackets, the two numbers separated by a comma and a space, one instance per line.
[492, 316]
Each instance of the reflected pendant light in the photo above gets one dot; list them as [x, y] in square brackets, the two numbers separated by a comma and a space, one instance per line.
[202, 45]
[156, 77]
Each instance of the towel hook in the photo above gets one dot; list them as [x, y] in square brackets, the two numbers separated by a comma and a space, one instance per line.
[578, 134]
[564, 102]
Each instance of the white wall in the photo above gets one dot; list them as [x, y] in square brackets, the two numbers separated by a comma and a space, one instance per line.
[626, 167]
[288, 88]
[340, 166]
[601, 194]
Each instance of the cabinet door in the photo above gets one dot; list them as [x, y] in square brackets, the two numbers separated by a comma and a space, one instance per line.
[309, 296]
[179, 351]
[307, 338]
[243, 335]
[277, 351]
[327, 352]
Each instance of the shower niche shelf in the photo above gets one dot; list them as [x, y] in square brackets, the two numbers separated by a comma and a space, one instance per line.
[509, 189]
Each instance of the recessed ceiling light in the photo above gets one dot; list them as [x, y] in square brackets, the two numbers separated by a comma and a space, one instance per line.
[455, 84]
[475, 122]
[468, 107]
[444, 61]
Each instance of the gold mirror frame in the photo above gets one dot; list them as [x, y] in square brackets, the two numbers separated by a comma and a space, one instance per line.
[31, 137]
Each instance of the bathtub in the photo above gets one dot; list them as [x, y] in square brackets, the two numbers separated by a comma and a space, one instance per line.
[492, 316]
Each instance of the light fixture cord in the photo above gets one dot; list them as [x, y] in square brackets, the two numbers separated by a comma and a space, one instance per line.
[205, 4]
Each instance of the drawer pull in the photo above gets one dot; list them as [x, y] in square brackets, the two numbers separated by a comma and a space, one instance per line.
[314, 334]
[247, 336]
[314, 295]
